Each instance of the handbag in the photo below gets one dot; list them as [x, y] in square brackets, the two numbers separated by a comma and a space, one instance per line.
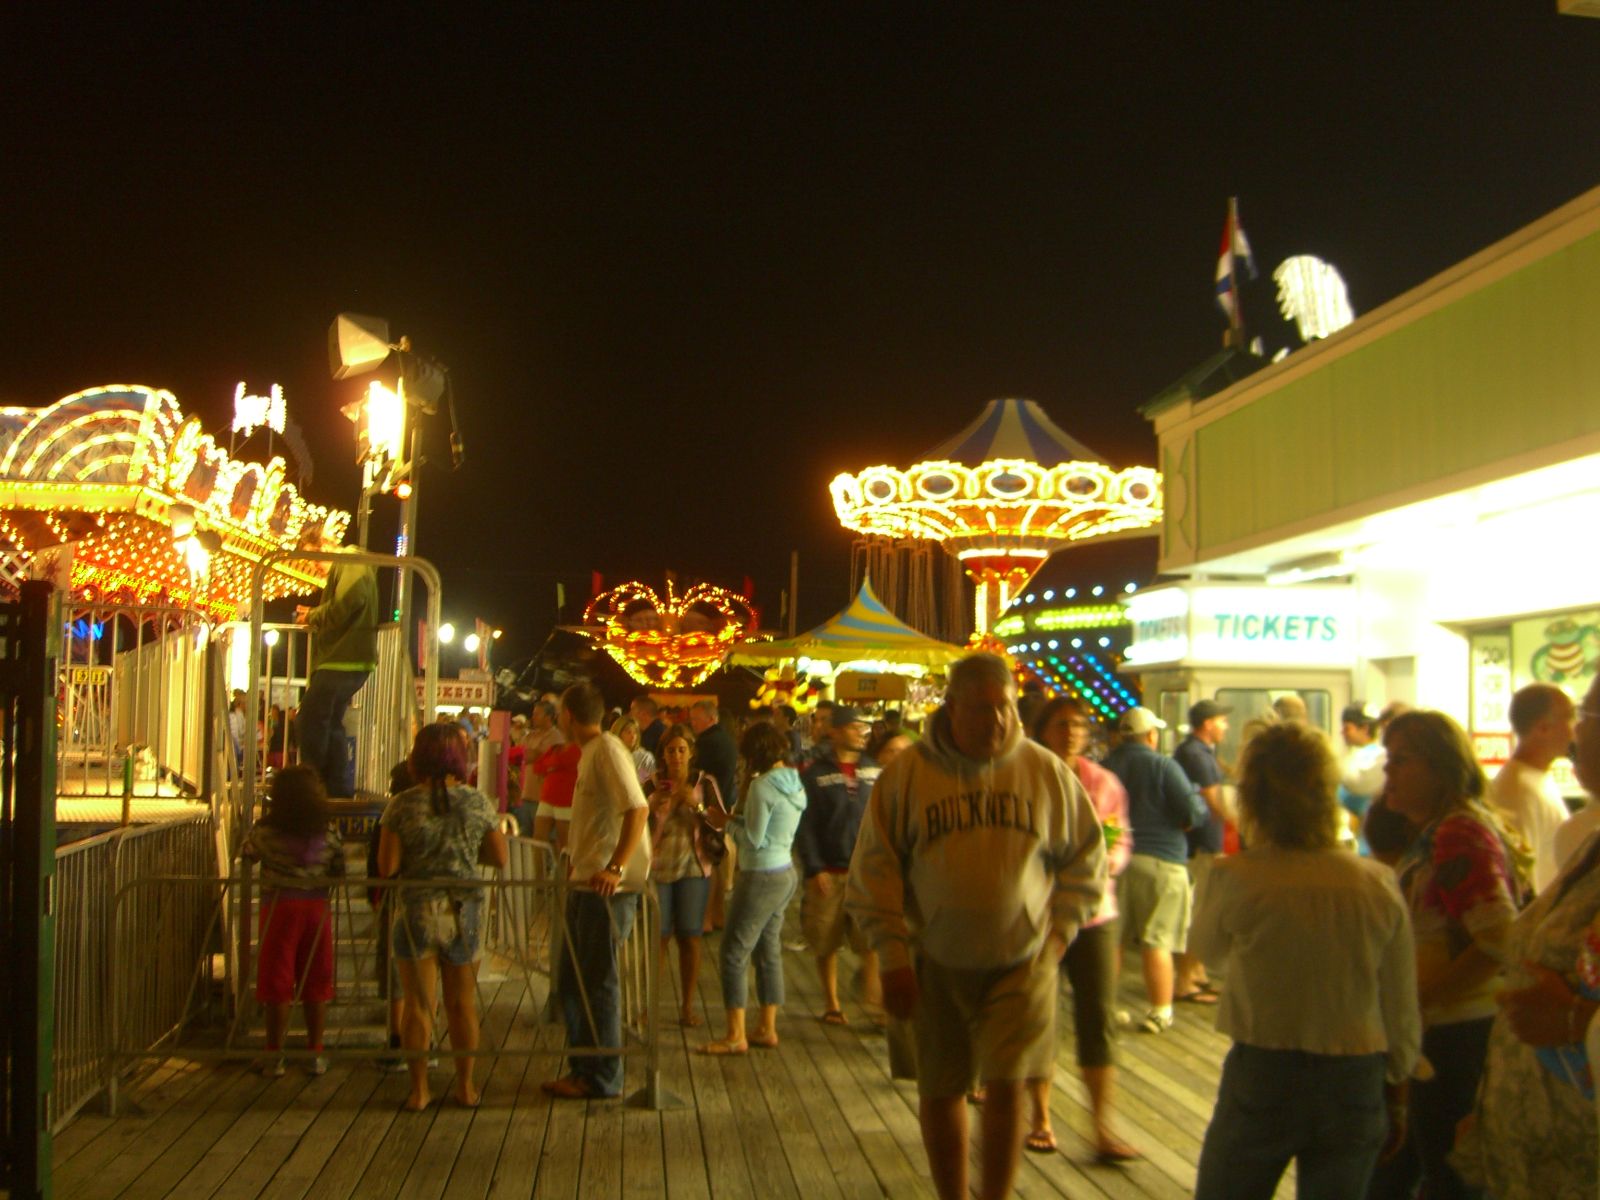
[713, 841]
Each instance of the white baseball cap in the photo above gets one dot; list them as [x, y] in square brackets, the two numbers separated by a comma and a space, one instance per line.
[1139, 720]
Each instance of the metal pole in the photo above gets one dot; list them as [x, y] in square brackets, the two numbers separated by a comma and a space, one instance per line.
[794, 588]
[408, 538]
[30, 871]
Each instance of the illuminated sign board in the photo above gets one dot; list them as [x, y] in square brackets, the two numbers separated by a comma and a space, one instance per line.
[468, 693]
[1225, 625]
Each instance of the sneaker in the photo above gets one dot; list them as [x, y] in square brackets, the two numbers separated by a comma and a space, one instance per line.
[392, 1064]
[319, 1066]
[1124, 1019]
[273, 1066]
[1155, 1022]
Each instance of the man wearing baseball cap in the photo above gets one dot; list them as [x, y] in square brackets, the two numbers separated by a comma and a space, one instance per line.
[1197, 755]
[1154, 891]
[838, 780]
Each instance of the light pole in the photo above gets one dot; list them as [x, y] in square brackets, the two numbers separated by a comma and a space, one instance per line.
[359, 344]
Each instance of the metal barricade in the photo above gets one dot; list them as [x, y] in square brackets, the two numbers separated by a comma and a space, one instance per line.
[523, 936]
[88, 875]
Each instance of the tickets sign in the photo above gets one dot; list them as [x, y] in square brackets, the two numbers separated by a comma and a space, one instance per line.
[467, 693]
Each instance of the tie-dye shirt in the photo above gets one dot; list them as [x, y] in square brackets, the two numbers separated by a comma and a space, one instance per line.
[1462, 890]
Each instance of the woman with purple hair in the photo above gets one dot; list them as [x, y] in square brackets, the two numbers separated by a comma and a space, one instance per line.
[434, 833]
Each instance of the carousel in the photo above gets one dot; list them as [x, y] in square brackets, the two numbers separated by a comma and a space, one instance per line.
[124, 500]
[152, 533]
[1000, 497]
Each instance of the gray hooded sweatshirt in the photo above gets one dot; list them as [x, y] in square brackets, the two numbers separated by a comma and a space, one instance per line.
[975, 862]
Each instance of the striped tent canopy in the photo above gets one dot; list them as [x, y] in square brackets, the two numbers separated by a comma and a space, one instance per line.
[864, 630]
[1012, 429]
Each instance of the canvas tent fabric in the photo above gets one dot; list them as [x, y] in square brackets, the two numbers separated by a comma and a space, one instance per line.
[1014, 429]
[864, 630]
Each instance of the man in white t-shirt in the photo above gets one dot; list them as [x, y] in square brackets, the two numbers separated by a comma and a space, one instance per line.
[608, 867]
[1523, 793]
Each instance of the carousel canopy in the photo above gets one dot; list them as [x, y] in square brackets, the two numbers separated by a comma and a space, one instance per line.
[1014, 429]
[124, 500]
[864, 630]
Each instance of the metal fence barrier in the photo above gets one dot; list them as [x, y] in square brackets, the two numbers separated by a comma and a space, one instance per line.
[88, 875]
[523, 934]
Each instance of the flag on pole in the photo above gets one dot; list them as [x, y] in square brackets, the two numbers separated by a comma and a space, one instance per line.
[422, 644]
[1235, 248]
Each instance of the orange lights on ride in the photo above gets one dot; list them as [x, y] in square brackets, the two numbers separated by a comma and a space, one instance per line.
[674, 641]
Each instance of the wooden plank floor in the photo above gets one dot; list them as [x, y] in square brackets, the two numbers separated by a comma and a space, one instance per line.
[818, 1117]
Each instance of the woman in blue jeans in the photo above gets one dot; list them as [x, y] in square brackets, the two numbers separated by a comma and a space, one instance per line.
[1321, 1001]
[762, 829]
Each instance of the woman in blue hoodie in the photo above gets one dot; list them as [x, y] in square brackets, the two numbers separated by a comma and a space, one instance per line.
[762, 827]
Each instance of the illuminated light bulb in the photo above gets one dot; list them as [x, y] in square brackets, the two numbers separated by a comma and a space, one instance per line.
[1097, 590]
[447, 633]
[271, 637]
[471, 642]
[1070, 593]
[1131, 588]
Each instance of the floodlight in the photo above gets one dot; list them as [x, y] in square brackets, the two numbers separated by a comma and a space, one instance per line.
[447, 633]
[357, 344]
[471, 643]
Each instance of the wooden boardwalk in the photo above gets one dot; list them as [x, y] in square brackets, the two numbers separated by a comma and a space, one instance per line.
[816, 1118]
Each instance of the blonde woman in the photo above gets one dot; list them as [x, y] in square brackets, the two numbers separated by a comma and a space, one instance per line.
[1321, 1001]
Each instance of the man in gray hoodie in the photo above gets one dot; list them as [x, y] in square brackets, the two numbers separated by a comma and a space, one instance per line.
[979, 858]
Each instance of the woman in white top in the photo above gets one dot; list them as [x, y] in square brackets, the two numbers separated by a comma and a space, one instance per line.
[1321, 1000]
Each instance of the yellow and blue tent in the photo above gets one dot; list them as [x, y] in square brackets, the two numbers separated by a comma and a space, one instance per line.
[864, 630]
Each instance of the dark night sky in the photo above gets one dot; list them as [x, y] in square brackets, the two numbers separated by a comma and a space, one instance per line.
[689, 263]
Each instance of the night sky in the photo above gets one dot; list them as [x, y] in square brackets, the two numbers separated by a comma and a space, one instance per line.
[689, 263]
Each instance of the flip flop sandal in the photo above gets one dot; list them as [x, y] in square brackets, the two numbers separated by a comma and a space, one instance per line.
[1042, 1142]
[1198, 996]
[724, 1049]
[835, 1016]
[763, 1043]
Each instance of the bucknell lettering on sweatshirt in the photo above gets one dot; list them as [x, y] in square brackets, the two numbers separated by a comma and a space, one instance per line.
[979, 810]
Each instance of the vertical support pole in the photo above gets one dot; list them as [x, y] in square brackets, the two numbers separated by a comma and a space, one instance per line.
[29, 869]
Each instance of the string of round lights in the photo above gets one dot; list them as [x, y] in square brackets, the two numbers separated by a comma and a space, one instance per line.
[999, 513]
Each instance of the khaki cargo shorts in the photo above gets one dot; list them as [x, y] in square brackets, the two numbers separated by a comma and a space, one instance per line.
[1154, 897]
[988, 1026]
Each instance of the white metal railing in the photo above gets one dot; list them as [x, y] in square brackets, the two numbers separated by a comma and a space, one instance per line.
[88, 874]
[388, 714]
[131, 680]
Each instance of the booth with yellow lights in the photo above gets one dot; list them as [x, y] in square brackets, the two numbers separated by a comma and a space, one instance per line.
[1403, 511]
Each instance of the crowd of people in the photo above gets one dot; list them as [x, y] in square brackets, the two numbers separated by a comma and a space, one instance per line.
[1405, 953]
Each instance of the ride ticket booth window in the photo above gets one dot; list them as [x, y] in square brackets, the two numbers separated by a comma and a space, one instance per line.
[1248, 703]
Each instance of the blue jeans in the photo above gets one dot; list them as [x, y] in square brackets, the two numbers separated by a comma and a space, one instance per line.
[683, 905]
[754, 926]
[1457, 1051]
[591, 955]
[1325, 1111]
[320, 726]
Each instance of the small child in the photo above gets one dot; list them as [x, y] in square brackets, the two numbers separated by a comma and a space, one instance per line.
[295, 840]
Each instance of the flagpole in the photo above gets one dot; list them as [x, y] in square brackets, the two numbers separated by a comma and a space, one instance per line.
[1236, 316]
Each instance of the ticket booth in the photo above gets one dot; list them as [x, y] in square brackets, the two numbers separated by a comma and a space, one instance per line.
[1243, 645]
